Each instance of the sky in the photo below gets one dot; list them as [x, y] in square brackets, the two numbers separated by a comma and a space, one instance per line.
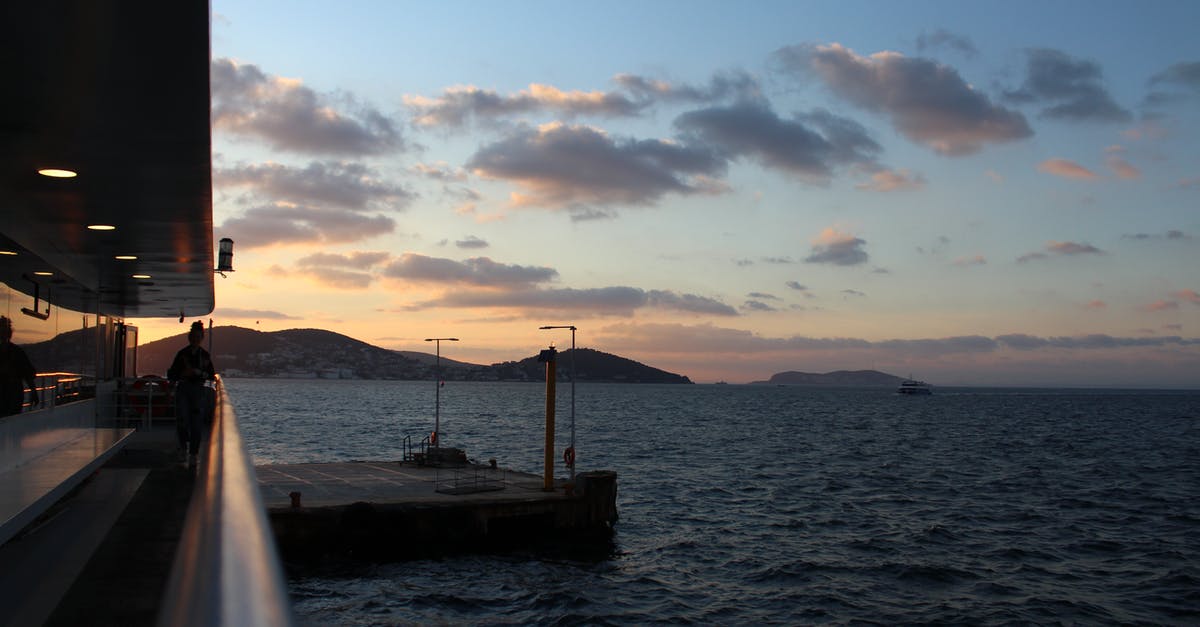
[969, 193]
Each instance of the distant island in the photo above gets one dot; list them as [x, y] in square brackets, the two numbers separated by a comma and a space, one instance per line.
[320, 354]
[837, 378]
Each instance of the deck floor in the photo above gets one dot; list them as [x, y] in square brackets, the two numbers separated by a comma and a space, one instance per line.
[343, 483]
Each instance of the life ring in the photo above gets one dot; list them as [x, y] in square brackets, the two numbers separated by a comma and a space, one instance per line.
[569, 456]
[433, 437]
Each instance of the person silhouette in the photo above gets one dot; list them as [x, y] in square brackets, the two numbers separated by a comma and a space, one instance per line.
[190, 369]
[15, 370]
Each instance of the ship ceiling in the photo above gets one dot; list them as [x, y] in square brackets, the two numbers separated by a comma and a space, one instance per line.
[118, 92]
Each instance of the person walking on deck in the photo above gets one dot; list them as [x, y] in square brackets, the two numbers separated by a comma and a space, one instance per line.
[191, 369]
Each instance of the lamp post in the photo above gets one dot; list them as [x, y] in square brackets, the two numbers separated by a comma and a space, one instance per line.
[571, 458]
[437, 381]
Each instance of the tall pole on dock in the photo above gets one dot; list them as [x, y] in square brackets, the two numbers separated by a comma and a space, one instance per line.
[548, 356]
[437, 380]
[571, 457]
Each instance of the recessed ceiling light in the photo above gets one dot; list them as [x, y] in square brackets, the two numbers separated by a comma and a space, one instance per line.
[44, 273]
[57, 173]
[125, 257]
[101, 227]
[141, 276]
[7, 252]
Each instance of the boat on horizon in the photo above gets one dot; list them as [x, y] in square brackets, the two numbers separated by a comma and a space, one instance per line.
[913, 387]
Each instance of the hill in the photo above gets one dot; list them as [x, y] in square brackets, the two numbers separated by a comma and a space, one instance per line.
[590, 365]
[837, 378]
[316, 353]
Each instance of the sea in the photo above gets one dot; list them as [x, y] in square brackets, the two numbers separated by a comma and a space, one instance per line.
[761, 504]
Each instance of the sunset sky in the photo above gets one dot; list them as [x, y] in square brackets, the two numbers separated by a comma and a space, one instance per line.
[973, 193]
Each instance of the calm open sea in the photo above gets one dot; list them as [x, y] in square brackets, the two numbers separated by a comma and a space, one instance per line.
[760, 504]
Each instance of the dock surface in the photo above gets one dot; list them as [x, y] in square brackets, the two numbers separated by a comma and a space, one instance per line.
[380, 483]
[387, 511]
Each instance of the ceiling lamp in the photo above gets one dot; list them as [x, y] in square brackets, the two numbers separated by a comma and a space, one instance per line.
[101, 227]
[58, 173]
[125, 257]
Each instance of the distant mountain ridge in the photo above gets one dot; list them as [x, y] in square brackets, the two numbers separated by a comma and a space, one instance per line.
[837, 378]
[316, 353]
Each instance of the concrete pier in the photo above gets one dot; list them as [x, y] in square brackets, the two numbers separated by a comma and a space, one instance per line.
[386, 511]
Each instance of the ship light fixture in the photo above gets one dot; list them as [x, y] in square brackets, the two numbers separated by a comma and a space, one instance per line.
[10, 253]
[101, 227]
[141, 276]
[224, 256]
[58, 173]
[125, 257]
[43, 273]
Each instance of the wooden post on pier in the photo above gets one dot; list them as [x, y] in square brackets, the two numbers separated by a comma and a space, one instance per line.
[548, 356]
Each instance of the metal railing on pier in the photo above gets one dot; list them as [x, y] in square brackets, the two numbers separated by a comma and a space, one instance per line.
[226, 569]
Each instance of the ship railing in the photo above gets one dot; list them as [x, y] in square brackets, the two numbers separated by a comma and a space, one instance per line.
[58, 388]
[142, 400]
[469, 479]
[415, 452]
[226, 570]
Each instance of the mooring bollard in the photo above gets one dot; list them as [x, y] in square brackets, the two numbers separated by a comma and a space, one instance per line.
[295, 499]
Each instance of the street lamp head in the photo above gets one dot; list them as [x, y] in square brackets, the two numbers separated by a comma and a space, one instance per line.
[563, 326]
[441, 339]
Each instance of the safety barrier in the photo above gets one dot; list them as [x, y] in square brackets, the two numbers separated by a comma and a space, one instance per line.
[226, 569]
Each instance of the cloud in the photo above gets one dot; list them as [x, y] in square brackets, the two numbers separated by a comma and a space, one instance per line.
[1122, 168]
[809, 146]
[1096, 304]
[893, 180]
[617, 300]
[280, 223]
[359, 260]
[942, 38]
[1190, 296]
[849, 292]
[709, 339]
[928, 102]
[440, 171]
[1089, 342]
[459, 105]
[477, 271]
[976, 260]
[289, 116]
[1066, 169]
[346, 185]
[1162, 305]
[1054, 248]
[1182, 78]
[837, 248]
[762, 296]
[350, 271]
[735, 85]
[778, 260]
[1189, 183]
[1072, 87]
[757, 305]
[256, 314]
[471, 242]
[1171, 235]
[796, 285]
[560, 166]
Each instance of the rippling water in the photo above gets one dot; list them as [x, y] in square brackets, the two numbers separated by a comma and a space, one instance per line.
[760, 504]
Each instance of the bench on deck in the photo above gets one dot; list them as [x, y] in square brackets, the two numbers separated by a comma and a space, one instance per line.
[46, 454]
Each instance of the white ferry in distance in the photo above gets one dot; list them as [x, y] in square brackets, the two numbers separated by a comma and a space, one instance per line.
[912, 387]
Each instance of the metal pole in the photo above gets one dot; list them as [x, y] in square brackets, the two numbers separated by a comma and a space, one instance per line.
[573, 451]
[548, 450]
[571, 459]
[437, 382]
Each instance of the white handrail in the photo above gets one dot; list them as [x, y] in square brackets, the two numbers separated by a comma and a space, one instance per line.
[226, 569]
